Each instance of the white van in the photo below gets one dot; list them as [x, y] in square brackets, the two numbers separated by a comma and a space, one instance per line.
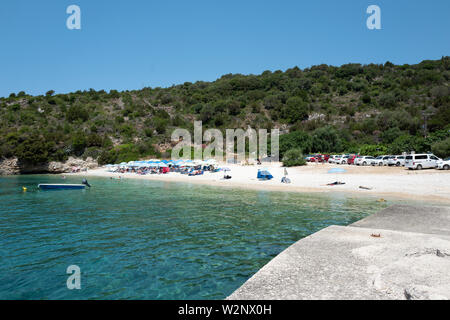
[421, 161]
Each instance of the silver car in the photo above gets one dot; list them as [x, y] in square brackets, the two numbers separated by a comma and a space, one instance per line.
[396, 161]
[378, 161]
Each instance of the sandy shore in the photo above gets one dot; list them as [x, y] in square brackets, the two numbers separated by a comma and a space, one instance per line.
[385, 182]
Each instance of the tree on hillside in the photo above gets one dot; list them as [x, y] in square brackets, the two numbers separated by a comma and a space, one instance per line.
[326, 139]
[295, 110]
[295, 140]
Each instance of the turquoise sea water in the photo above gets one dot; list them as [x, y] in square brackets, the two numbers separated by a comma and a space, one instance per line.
[151, 240]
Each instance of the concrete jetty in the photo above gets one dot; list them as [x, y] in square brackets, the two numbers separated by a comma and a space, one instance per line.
[402, 252]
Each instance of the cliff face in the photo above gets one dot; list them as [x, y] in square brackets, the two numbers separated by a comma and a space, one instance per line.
[9, 167]
[13, 167]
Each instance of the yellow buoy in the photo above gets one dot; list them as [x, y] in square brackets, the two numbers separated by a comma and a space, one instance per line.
[24, 189]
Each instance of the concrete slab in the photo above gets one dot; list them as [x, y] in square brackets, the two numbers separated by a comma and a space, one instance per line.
[348, 263]
[430, 219]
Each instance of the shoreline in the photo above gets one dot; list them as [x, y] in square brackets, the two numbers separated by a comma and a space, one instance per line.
[433, 186]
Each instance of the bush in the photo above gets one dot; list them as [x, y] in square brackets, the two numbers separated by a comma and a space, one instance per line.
[441, 148]
[407, 143]
[107, 157]
[326, 139]
[33, 149]
[295, 110]
[75, 113]
[92, 152]
[295, 140]
[294, 157]
[79, 143]
[372, 150]
[160, 125]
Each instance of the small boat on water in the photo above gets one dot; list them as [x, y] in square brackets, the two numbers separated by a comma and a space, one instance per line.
[45, 186]
[64, 186]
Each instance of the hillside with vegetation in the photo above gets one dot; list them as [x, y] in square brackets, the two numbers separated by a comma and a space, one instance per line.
[372, 109]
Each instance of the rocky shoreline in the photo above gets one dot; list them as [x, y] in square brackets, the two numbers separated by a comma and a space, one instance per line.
[14, 167]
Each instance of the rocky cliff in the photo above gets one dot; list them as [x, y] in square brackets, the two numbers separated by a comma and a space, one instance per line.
[13, 167]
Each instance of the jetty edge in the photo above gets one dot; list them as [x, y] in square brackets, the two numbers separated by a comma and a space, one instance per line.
[400, 253]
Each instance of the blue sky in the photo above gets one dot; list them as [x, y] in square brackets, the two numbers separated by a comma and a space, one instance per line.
[138, 43]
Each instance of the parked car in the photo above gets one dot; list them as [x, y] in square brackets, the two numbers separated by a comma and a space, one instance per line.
[396, 161]
[333, 158]
[355, 161]
[321, 158]
[363, 160]
[444, 164]
[388, 159]
[351, 159]
[421, 161]
[344, 159]
[316, 158]
[378, 161]
[385, 160]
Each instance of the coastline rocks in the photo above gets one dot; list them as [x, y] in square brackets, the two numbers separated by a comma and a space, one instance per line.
[9, 167]
[13, 167]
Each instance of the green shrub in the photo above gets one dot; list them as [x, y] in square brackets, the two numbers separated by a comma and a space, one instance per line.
[441, 148]
[33, 149]
[295, 140]
[75, 113]
[373, 150]
[294, 157]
